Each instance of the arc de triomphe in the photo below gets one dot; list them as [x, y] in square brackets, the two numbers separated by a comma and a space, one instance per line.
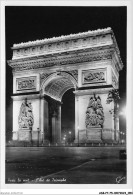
[44, 70]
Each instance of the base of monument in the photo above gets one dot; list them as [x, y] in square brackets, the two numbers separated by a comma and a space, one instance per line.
[90, 135]
[24, 135]
[36, 136]
[94, 134]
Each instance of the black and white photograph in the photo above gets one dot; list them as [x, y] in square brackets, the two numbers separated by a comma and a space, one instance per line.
[65, 95]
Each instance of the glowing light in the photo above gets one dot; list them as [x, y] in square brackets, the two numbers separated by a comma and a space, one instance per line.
[123, 112]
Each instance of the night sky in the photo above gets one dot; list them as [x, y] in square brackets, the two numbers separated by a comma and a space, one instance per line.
[33, 23]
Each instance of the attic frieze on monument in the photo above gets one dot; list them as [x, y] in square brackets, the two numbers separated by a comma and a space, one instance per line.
[64, 37]
[66, 50]
[62, 46]
[61, 60]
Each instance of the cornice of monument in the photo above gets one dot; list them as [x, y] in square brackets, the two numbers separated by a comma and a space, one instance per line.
[70, 49]
[90, 39]
[62, 38]
[69, 58]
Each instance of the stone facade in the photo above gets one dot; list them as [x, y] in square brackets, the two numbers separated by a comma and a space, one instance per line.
[44, 70]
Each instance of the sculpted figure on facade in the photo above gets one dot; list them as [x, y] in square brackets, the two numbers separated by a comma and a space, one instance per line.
[25, 118]
[94, 113]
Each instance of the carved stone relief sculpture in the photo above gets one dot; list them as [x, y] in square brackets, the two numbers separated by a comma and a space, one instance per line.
[93, 76]
[94, 113]
[28, 83]
[114, 81]
[43, 76]
[74, 73]
[25, 118]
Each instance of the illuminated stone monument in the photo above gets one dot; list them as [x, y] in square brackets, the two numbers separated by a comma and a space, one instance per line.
[44, 70]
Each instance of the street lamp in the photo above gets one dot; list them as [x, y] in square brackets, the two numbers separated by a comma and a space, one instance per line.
[42, 139]
[123, 112]
[70, 135]
[78, 135]
[64, 139]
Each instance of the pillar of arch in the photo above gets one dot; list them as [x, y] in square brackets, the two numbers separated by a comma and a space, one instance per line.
[44, 70]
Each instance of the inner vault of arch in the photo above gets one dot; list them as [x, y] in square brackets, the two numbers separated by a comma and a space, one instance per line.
[57, 87]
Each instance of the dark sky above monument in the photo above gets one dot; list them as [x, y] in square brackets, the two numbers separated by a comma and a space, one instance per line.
[26, 23]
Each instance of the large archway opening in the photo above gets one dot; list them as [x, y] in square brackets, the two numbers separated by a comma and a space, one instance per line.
[68, 117]
[58, 92]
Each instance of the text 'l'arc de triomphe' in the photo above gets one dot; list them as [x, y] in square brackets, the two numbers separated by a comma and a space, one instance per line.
[44, 70]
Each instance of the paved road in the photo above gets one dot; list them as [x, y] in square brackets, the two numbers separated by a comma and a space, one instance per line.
[65, 165]
[91, 172]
